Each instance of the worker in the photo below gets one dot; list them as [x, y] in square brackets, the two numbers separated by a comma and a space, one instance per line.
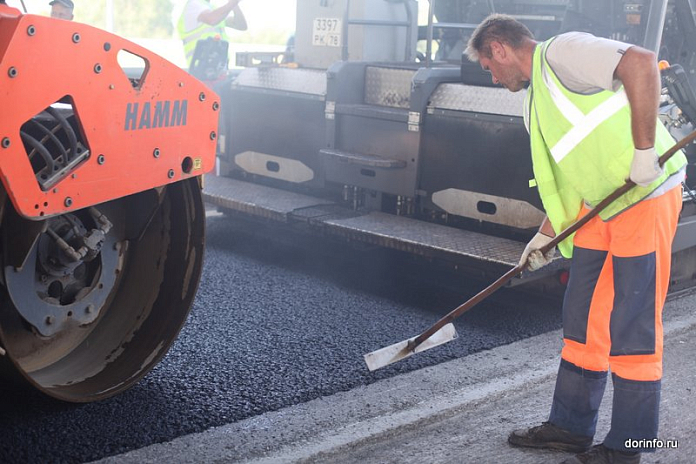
[591, 112]
[62, 9]
[200, 20]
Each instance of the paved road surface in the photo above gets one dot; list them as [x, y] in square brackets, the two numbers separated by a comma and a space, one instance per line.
[272, 326]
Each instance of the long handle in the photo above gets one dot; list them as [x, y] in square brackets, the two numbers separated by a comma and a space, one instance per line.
[485, 293]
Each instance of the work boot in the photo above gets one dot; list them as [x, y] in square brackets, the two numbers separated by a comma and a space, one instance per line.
[600, 454]
[550, 436]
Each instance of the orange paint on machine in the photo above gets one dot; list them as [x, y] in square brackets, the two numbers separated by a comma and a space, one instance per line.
[120, 129]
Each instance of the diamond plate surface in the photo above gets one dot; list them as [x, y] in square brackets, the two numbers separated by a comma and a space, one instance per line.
[309, 81]
[388, 87]
[491, 100]
[257, 200]
[374, 227]
[406, 234]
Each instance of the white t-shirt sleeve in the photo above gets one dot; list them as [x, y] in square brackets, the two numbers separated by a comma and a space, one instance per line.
[192, 10]
[585, 63]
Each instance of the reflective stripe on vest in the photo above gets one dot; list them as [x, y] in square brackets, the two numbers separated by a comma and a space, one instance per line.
[202, 32]
[582, 147]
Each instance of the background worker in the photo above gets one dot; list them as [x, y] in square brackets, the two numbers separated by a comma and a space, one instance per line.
[591, 111]
[200, 20]
[62, 9]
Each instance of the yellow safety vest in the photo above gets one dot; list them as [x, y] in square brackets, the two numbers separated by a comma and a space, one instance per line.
[202, 32]
[582, 148]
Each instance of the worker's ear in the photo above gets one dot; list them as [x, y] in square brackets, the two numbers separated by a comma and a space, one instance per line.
[498, 50]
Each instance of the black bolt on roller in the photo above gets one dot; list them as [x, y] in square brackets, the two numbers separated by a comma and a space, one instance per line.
[213, 135]
[76, 38]
[156, 153]
[68, 202]
[216, 106]
[201, 96]
[6, 142]
[12, 72]
[170, 174]
[97, 68]
[101, 159]
[31, 30]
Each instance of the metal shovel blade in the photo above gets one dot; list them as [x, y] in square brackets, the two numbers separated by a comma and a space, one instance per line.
[398, 351]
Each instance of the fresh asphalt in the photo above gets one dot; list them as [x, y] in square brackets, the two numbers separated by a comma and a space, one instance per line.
[274, 325]
[460, 411]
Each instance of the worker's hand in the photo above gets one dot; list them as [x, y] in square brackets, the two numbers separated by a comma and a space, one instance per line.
[645, 167]
[532, 254]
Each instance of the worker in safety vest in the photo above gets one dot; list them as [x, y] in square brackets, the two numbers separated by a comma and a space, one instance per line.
[200, 20]
[591, 112]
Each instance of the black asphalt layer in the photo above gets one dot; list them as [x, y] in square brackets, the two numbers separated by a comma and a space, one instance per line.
[274, 324]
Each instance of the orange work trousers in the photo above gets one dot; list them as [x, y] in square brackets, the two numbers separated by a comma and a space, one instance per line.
[612, 319]
[612, 309]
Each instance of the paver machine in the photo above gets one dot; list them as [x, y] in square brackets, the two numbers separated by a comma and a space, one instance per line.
[379, 131]
[101, 215]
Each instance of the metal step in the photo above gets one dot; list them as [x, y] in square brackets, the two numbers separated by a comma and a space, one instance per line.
[363, 160]
[255, 200]
[485, 255]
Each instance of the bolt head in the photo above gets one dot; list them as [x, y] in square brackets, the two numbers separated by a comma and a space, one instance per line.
[68, 202]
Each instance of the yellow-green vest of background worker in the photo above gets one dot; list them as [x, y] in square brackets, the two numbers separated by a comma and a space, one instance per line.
[568, 160]
[201, 20]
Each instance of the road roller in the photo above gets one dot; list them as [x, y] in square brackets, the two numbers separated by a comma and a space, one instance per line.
[101, 214]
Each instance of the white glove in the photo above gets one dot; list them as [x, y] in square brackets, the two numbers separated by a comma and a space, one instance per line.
[645, 167]
[532, 254]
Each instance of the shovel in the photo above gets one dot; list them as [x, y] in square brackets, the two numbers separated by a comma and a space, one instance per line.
[443, 330]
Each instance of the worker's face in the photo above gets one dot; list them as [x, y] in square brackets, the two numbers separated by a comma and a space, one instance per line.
[504, 68]
[61, 12]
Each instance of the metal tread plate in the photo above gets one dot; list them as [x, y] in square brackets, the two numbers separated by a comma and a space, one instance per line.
[307, 81]
[363, 159]
[373, 227]
[490, 100]
[411, 234]
[254, 199]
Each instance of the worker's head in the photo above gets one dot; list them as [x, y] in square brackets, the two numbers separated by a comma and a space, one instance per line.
[62, 9]
[497, 44]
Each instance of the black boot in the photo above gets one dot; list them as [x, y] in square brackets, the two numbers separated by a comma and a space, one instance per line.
[550, 436]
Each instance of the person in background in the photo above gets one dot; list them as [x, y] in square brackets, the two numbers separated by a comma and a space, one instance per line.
[62, 9]
[200, 20]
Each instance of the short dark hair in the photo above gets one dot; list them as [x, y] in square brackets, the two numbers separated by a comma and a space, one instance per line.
[496, 27]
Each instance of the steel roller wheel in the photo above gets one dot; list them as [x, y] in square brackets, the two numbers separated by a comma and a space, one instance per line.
[92, 300]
